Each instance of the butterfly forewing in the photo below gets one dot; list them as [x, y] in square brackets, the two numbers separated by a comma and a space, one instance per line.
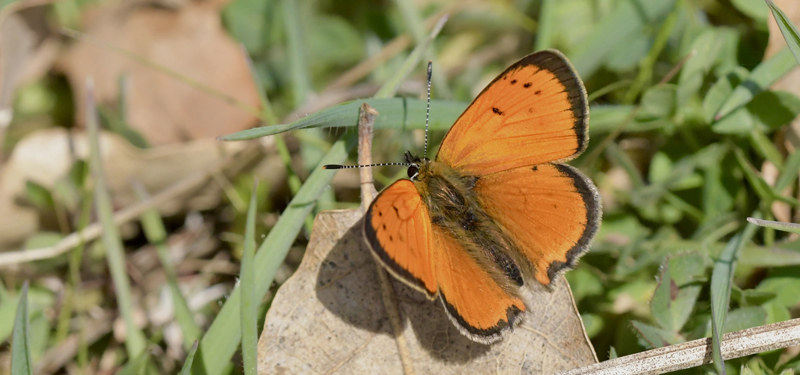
[398, 230]
[551, 212]
[534, 112]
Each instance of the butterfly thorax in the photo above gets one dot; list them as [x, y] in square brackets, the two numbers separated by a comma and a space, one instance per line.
[453, 205]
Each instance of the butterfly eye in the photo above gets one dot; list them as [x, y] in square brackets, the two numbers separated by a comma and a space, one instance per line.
[412, 171]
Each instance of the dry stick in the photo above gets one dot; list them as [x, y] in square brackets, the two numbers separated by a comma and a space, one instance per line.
[132, 212]
[366, 121]
[698, 352]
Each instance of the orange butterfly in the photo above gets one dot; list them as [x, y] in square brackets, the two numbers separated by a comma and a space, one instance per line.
[496, 209]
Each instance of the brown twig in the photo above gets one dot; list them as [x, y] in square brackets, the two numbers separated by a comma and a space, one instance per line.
[698, 352]
[366, 121]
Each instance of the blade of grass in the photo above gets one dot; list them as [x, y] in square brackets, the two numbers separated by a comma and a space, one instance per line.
[416, 26]
[721, 281]
[156, 234]
[298, 70]
[270, 118]
[187, 365]
[222, 338]
[790, 171]
[546, 29]
[20, 347]
[135, 342]
[787, 29]
[390, 87]
[764, 75]
[778, 225]
[249, 300]
[396, 113]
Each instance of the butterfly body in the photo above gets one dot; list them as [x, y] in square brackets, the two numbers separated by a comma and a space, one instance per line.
[454, 207]
[495, 212]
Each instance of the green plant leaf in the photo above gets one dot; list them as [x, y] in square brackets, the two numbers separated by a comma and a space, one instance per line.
[653, 337]
[786, 227]
[744, 318]
[187, 365]
[788, 29]
[20, 338]
[249, 299]
[764, 75]
[657, 102]
[628, 18]
[721, 281]
[395, 113]
[706, 49]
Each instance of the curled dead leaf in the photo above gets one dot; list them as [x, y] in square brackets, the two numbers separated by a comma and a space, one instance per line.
[329, 318]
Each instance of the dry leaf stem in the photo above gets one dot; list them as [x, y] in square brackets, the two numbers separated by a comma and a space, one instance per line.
[698, 352]
[366, 120]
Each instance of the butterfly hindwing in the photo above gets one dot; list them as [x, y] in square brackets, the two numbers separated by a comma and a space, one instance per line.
[398, 230]
[474, 301]
[550, 211]
[537, 108]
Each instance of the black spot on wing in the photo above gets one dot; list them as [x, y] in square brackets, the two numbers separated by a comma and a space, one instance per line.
[513, 81]
[497, 111]
[526, 85]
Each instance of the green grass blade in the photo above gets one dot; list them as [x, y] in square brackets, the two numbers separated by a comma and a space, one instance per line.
[298, 69]
[249, 300]
[20, 345]
[156, 234]
[223, 336]
[415, 25]
[136, 366]
[396, 113]
[547, 28]
[135, 342]
[764, 75]
[787, 29]
[390, 87]
[187, 365]
[721, 282]
[790, 171]
[627, 18]
[778, 225]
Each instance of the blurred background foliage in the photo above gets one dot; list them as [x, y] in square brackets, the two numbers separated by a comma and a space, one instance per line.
[692, 130]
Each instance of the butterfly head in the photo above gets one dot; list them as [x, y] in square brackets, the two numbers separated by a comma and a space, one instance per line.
[415, 164]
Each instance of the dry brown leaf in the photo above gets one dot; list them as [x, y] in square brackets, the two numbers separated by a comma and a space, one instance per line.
[46, 156]
[329, 318]
[188, 39]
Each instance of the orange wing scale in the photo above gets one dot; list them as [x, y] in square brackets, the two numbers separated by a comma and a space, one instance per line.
[398, 229]
[551, 211]
[473, 300]
[535, 112]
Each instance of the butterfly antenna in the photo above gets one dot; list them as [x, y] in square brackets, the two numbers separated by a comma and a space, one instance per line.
[339, 166]
[428, 109]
